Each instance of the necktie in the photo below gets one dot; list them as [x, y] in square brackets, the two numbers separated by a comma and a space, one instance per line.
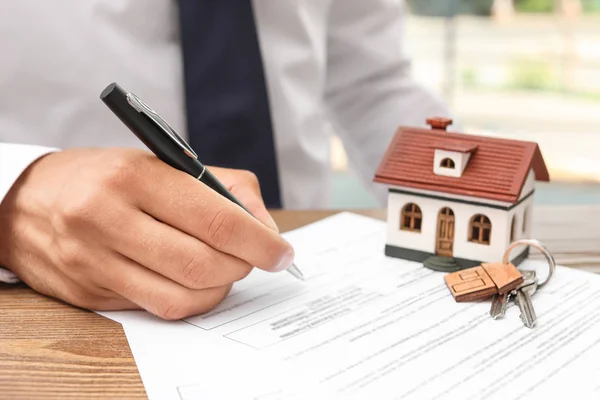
[228, 115]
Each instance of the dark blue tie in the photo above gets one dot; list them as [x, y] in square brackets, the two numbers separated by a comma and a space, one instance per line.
[228, 115]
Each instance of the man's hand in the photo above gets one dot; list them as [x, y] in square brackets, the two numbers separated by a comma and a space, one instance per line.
[111, 229]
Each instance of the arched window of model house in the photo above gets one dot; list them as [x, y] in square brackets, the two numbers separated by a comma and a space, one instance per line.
[513, 228]
[480, 229]
[411, 218]
[447, 163]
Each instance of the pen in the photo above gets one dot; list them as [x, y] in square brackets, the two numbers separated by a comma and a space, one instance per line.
[164, 142]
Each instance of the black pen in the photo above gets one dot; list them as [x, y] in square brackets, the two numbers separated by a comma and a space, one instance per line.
[164, 142]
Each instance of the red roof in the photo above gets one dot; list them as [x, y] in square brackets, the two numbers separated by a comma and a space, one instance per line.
[454, 145]
[497, 169]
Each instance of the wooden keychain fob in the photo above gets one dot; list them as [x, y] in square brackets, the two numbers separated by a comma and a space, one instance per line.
[483, 281]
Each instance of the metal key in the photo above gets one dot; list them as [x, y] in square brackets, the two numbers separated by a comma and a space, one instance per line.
[523, 300]
[499, 304]
[500, 301]
[530, 285]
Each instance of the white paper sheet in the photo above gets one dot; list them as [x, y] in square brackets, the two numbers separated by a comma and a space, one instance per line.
[366, 326]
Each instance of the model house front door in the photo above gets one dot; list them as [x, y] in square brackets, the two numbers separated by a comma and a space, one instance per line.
[445, 232]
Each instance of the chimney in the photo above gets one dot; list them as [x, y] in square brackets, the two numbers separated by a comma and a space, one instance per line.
[439, 122]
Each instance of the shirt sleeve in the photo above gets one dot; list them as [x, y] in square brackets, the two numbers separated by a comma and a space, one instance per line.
[14, 159]
[369, 90]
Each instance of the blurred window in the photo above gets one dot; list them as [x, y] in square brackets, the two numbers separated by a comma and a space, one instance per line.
[524, 69]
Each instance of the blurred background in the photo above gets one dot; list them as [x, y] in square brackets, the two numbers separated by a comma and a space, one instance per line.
[524, 69]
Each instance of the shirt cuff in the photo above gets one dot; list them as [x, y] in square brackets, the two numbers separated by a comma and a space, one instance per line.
[14, 159]
[7, 277]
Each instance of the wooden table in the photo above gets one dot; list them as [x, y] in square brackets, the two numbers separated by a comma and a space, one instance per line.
[52, 350]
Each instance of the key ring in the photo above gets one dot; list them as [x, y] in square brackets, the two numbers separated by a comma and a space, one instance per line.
[538, 245]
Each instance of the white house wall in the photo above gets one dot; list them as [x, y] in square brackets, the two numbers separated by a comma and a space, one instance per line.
[519, 214]
[501, 223]
[426, 239]
[522, 213]
[529, 184]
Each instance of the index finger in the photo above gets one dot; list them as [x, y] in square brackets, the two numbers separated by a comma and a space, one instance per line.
[179, 200]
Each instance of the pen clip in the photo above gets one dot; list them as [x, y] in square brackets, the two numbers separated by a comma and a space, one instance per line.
[142, 107]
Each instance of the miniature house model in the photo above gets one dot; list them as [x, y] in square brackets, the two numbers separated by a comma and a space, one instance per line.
[458, 200]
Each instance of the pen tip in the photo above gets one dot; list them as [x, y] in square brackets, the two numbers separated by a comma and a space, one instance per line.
[296, 272]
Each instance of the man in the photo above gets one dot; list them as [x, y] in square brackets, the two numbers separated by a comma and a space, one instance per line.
[103, 224]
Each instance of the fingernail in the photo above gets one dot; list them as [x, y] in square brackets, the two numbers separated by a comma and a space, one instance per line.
[285, 262]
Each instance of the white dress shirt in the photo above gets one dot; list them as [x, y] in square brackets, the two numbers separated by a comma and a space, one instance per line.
[336, 61]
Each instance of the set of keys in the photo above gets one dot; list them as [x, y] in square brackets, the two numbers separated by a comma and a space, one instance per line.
[503, 282]
[522, 297]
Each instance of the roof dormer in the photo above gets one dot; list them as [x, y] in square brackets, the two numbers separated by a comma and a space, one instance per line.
[451, 156]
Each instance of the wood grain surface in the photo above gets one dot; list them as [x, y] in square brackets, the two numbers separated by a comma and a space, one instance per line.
[50, 350]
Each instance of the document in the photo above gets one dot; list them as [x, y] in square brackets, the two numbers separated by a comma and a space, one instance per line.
[366, 326]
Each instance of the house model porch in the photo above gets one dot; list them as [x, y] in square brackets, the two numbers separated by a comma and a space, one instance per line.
[457, 200]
